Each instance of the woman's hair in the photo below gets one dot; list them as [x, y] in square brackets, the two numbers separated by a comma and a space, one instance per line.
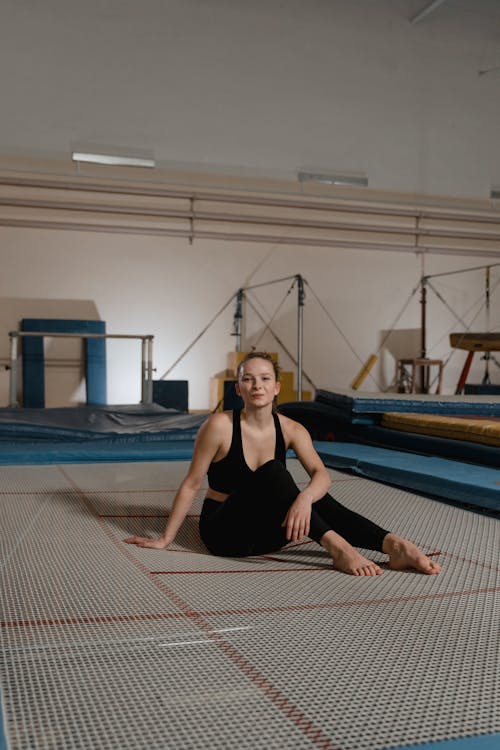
[260, 355]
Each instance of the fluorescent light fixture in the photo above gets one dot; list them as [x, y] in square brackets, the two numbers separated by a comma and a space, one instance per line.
[328, 178]
[113, 160]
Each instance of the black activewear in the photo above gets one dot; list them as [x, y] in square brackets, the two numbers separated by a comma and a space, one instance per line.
[249, 521]
[232, 471]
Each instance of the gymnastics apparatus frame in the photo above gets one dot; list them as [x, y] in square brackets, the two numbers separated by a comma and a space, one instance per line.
[146, 358]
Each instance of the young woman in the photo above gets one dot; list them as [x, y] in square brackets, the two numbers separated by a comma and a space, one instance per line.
[254, 507]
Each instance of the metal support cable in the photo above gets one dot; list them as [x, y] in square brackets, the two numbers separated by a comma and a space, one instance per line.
[455, 315]
[397, 318]
[281, 344]
[461, 321]
[461, 270]
[268, 325]
[198, 337]
[205, 329]
[331, 319]
[268, 283]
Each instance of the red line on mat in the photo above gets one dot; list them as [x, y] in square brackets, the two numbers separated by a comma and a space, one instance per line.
[93, 492]
[96, 620]
[132, 515]
[212, 572]
[142, 515]
[347, 603]
[194, 614]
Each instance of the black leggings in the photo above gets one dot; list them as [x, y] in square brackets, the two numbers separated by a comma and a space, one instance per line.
[249, 521]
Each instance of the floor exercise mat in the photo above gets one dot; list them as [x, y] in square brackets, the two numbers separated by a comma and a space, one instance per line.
[475, 486]
[109, 646]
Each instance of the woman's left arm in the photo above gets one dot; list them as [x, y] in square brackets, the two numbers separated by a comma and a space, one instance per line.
[298, 517]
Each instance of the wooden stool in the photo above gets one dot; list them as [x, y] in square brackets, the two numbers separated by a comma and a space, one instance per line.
[414, 364]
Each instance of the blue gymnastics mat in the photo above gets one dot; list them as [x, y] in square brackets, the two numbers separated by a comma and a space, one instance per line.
[359, 407]
[330, 423]
[468, 484]
[101, 451]
[97, 423]
[96, 434]
[483, 742]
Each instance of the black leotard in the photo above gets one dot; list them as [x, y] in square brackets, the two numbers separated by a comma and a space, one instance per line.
[232, 472]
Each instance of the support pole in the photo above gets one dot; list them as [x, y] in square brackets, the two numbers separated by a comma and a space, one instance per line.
[238, 318]
[13, 369]
[423, 332]
[147, 370]
[143, 370]
[487, 355]
[300, 333]
[149, 389]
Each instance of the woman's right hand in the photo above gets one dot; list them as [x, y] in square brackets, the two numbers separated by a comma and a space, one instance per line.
[144, 541]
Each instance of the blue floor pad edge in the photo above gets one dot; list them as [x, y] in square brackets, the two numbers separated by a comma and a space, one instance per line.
[354, 402]
[481, 742]
[429, 475]
[101, 451]
[3, 740]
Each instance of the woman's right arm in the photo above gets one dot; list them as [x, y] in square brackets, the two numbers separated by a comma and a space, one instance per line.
[207, 443]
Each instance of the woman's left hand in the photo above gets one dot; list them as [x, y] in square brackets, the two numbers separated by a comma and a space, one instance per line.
[298, 518]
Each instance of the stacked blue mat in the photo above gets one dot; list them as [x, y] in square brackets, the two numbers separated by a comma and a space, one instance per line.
[348, 436]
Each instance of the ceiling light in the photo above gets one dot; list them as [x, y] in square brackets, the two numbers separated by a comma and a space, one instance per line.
[113, 160]
[328, 178]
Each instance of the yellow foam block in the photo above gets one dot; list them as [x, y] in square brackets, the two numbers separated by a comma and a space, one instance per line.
[485, 431]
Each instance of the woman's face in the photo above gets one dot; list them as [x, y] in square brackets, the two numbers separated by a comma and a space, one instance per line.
[257, 384]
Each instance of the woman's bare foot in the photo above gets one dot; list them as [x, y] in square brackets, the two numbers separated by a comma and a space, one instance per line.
[404, 554]
[345, 558]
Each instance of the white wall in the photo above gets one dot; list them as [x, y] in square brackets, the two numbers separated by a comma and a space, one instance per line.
[168, 288]
[263, 87]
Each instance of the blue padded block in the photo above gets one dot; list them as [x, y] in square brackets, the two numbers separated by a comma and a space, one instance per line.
[33, 359]
[466, 483]
[95, 370]
[33, 371]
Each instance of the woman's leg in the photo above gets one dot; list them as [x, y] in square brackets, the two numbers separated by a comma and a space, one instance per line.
[328, 513]
[249, 521]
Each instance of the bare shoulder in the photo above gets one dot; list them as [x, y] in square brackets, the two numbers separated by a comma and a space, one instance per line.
[211, 441]
[221, 421]
[293, 431]
[217, 425]
[299, 440]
